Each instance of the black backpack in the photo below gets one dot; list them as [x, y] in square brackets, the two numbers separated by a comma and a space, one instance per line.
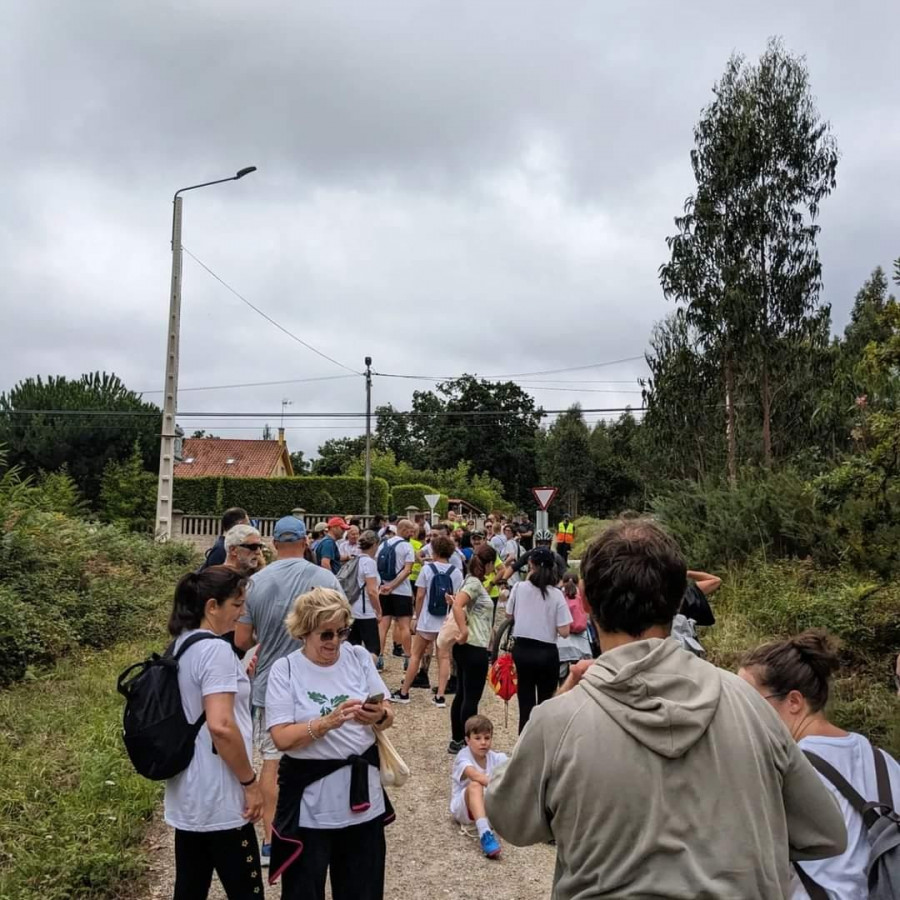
[441, 585]
[158, 737]
[882, 827]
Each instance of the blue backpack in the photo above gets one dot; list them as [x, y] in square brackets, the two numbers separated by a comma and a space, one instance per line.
[441, 585]
[387, 559]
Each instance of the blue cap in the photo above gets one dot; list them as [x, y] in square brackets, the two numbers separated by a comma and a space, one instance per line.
[288, 529]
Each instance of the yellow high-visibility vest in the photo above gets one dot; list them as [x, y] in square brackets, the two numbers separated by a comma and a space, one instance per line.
[565, 534]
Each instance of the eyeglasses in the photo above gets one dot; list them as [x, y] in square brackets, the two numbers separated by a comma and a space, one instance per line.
[342, 634]
[770, 696]
[254, 547]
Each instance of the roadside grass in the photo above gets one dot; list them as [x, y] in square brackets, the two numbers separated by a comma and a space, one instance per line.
[72, 810]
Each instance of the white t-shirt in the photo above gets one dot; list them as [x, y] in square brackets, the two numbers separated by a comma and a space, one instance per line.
[404, 554]
[367, 569]
[512, 552]
[498, 542]
[345, 548]
[300, 690]
[207, 795]
[428, 622]
[459, 783]
[457, 559]
[537, 617]
[844, 876]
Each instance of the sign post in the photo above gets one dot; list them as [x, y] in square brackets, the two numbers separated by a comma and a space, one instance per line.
[544, 497]
[432, 500]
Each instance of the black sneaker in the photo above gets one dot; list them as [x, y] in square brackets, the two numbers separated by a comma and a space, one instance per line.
[421, 680]
[398, 650]
[455, 746]
[439, 702]
[397, 697]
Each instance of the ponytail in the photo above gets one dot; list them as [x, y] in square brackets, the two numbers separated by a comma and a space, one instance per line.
[481, 559]
[193, 590]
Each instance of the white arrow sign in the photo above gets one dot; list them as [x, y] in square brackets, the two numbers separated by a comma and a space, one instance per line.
[544, 496]
[432, 500]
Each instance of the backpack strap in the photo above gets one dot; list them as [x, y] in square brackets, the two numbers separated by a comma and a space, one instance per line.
[813, 888]
[188, 643]
[868, 811]
[885, 795]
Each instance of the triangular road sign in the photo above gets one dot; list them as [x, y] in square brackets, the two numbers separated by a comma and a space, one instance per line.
[432, 500]
[544, 496]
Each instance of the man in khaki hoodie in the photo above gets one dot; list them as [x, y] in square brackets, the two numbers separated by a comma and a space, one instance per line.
[658, 774]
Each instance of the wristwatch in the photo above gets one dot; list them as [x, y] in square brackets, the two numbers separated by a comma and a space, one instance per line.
[384, 715]
[248, 783]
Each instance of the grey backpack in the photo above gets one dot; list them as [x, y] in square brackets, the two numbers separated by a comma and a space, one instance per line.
[348, 577]
[882, 826]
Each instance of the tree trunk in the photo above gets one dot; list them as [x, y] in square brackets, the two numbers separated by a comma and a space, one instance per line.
[729, 419]
[766, 413]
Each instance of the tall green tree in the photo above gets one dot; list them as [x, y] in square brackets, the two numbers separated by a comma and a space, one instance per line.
[744, 262]
[566, 460]
[46, 424]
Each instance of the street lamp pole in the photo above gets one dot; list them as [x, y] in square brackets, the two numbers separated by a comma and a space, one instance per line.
[163, 528]
[368, 433]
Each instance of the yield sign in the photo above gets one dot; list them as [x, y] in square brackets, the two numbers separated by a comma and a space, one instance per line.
[432, 500]
[544, 496]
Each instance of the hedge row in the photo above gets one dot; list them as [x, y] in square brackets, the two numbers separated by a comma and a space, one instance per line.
[270, 497]
[404, 495]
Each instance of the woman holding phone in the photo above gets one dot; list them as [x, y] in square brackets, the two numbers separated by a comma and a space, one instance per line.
[324, 703]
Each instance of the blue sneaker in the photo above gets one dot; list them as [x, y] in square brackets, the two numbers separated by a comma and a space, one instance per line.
[490, 846]
[380, 664]
[265, 854]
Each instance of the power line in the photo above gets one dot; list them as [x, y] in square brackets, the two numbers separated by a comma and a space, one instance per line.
[222, 387]
[600, 365]
[268, 318]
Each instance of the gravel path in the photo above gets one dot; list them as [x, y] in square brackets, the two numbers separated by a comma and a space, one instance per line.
[427, 855]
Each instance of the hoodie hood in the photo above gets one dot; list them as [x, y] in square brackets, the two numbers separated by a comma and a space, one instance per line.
[658, 692]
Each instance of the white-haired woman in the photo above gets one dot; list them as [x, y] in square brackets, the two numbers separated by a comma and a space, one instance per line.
[332, 808]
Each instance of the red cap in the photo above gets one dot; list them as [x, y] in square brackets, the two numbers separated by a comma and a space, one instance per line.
[336, 522]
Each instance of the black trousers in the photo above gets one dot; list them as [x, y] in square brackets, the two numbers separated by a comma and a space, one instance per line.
[355, 856]
[537, 669]
[471, 673]
[233, 854]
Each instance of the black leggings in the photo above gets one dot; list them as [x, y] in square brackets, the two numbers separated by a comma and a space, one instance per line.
[537, 669]
[233, 854]
[354, 855]
[471, 673]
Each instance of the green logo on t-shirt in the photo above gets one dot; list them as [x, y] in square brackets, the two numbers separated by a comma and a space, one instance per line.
[326, 706]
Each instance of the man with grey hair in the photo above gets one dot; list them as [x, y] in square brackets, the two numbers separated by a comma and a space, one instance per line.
[270, 598]
[243, 549]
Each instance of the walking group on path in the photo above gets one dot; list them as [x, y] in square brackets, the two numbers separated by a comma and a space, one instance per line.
[654, 773]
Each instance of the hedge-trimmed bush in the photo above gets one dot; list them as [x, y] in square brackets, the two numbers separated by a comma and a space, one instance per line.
[278, 496]
[403, 495]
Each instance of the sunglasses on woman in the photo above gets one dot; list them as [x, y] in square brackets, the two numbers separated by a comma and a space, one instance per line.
[342, 634]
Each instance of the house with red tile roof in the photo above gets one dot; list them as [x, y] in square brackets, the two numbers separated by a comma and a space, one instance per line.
[234, 458]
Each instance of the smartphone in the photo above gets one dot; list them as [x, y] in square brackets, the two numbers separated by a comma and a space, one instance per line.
[373, 699]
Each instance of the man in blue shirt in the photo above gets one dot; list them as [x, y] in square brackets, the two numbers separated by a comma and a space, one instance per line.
[328, 556]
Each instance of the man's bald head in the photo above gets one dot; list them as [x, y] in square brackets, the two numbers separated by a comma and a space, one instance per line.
[406, 529]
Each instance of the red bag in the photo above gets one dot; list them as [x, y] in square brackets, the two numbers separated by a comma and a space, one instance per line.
[579, 616]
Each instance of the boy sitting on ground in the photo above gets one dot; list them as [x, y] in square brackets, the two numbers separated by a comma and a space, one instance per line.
[471, 775]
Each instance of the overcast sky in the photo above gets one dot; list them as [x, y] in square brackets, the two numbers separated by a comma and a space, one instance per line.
[447, 187]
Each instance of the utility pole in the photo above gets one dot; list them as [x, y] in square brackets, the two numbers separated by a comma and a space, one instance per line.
[164, 490]
[368, 433]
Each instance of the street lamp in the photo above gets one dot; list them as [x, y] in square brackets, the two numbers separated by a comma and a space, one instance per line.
[163, 528]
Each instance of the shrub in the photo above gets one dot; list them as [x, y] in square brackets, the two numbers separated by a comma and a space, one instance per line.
[128, 494]
[278, 496]
[403, 495]
[718, 524]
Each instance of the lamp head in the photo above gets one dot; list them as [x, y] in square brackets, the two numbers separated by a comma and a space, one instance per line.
[242, 172]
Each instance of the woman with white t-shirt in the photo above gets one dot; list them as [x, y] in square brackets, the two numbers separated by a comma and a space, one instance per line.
[214, 802]
[367, 608]
[426, 624]
[540, 614]
[324, 703]
[794, 675]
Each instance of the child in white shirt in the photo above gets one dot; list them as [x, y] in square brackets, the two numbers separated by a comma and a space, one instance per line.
[472, 772]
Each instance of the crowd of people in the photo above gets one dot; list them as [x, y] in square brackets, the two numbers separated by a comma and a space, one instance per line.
[691, 781]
